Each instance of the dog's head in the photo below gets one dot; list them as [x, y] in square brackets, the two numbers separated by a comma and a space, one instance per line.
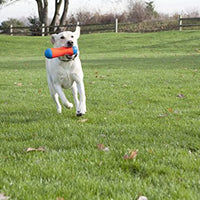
[66, 39]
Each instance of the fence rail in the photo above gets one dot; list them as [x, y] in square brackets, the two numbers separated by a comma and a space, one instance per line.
[47, 30]
[146, 26]
[188, 22]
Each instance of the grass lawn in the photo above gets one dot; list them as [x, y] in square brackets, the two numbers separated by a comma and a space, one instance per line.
[142, 94]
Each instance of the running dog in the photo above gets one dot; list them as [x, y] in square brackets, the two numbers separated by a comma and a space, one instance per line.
[66, 72]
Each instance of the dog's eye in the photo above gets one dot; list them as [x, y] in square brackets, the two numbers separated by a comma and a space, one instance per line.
[62, 37]
[72, 36]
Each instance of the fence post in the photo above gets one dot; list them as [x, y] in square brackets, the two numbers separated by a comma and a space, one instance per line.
[116, 25]
[43, 29]
[11, 30]
[180, 23]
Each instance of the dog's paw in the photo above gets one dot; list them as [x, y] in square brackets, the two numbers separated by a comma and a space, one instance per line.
[69, 105]
[59, 110]
[79, 114]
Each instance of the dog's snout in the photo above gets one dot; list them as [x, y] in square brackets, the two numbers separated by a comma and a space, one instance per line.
[70, 43]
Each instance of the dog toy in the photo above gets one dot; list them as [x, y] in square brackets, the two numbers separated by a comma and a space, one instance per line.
[56, 52]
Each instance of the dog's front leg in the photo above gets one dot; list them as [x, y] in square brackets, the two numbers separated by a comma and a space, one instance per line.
[63, 98]
[82, 103]
[75, 95]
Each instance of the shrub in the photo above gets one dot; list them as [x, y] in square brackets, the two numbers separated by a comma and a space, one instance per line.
[5, 26]
[35, 26]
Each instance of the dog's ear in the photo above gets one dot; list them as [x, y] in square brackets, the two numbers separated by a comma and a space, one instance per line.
[77, 31]
[53, 38]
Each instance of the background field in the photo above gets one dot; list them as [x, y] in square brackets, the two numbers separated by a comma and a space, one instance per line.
[142, 93]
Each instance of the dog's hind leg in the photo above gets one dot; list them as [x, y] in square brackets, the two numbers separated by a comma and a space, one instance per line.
[62, 96]
[54, 95]
[56, 100]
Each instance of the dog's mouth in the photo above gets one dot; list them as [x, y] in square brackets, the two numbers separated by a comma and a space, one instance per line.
[67, 58]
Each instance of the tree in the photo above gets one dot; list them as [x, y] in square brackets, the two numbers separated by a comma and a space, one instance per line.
[42, 6]
[137, 12]
[43, 10]
[150, 9]
[5, 26]
[35, 26]
[62, 20]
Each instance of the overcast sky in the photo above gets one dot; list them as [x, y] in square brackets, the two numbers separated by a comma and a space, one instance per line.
[26, 8]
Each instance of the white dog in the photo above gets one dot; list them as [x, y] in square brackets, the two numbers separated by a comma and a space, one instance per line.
[66, 72]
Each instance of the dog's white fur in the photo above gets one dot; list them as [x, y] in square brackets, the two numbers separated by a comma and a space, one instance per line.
[66, 72]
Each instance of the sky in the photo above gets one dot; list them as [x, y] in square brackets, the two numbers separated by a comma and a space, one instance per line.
[26, 8]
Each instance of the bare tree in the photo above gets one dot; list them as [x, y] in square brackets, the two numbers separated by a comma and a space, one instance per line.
[137, 12]
[42, 10]
[62, 20]
[64, 13]
[42, 6]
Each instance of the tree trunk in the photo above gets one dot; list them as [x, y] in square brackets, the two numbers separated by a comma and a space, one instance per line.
[39, 5]
[64, 14]
[62, 20]
[56, 14]
[43, 11]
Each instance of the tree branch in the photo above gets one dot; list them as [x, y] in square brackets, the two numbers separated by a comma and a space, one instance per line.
[4, 3]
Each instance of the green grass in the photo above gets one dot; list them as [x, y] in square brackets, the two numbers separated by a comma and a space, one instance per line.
[132, 82]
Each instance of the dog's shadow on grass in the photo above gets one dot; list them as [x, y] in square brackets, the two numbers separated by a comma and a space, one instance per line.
[20, 117]
[25, 117]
